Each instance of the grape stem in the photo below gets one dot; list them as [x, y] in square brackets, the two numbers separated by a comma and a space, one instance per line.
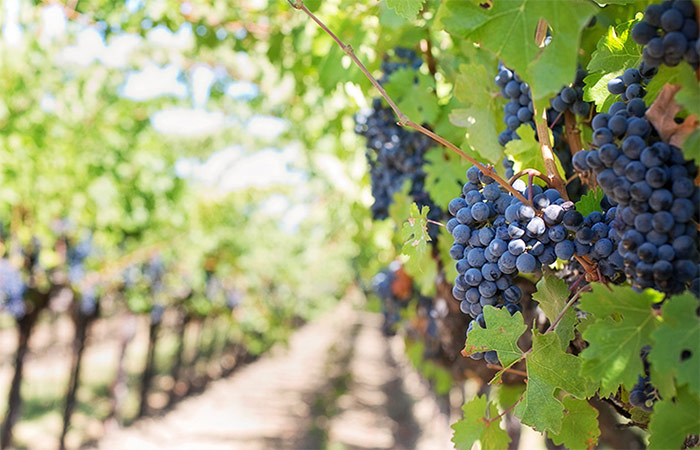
[507, 410]
[553, 177]
[404, 121]
[573, 134]
[434, 222]
[532, 172]
[507, 369]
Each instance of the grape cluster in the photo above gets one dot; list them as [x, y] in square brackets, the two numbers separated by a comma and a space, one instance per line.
[630, 85]
[651, 185]
[404, 58]
[12, 289]
[669, 33]
[496, 237]
[644, 394]
[520, 109]
[571, 97]
[395, 155]
[596, 239]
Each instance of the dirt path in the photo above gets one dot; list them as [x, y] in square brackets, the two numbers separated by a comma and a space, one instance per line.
[339, 384]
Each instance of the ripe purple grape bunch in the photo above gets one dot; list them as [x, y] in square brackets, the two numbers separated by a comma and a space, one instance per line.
[669, 33]
[496, 237]
[656, 202]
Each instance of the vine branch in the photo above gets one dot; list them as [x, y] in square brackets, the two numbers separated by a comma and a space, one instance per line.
[507, 369]
[573, 134]
[404, 120]
[553, 177]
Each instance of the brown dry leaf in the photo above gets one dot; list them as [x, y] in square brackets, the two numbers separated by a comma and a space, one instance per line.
[662, 112]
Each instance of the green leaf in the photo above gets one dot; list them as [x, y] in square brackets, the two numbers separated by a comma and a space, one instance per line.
[616, 51]
[415, 232]
[417, 101]
[691, 146]
[579, 429]
[623, 324]
[420, 264]
[596, 90]
[508, 395]
[525, 152]
[674, 419]
[400, 207]
[590, 201]
[408, 9]
[507, 29]
[477, 426]
[481, 117]
[676, 348]
[443, 175]
[549, 368]
[690, 90]
[552, 295]
[501, 334]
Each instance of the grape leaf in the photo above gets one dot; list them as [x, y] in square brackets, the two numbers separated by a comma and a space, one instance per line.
[408, 9]
[525, 152]
[414, 94]
[616, 51]
[691, 146]
[501, 334]
[674, 419]
[443, 175]
[579, 429]
[508, 395]
[590, 201]
[549, 368]
[552, 295]
[596, 90]
[477, 426]
[508, 30]
[400, 206]
[420, 264]
[482, 113]
[676, 346]
[690, 90]
[415, 232]
[623, 324]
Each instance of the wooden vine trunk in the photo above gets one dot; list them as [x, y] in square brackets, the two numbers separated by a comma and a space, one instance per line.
[119, 386]
[147, 375]
[176, 369]
[14, 400]
[82, 323]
